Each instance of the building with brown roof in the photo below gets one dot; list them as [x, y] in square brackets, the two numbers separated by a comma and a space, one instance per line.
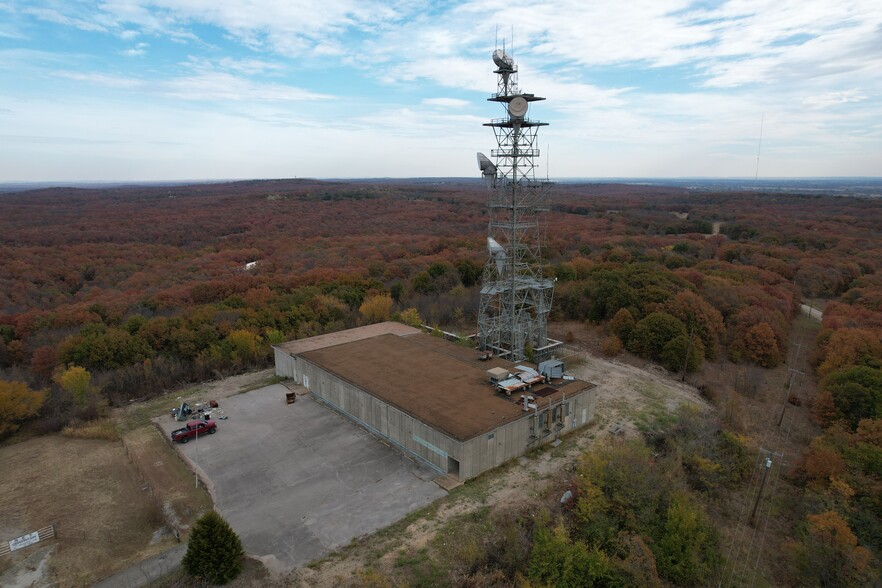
[432, 398]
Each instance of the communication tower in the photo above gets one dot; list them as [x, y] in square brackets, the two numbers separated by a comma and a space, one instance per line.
[515, 296]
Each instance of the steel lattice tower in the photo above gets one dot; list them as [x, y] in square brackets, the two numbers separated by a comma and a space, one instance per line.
[515, 297]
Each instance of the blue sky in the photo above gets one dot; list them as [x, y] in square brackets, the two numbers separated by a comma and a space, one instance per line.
[123, 90]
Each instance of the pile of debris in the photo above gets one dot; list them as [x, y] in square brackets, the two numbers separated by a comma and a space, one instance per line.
[199, 411]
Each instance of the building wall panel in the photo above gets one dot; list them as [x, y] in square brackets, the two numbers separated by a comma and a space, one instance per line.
[286, 366]
[387, 421]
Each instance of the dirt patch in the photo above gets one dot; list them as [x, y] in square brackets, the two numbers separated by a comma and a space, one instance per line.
[31, 571]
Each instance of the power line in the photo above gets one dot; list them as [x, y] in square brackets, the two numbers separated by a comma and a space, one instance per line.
[777, 438]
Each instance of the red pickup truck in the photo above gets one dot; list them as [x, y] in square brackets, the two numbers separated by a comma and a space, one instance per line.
[193, 429]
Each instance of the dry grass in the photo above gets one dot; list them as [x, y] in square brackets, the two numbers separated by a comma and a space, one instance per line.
[104, 518]
[100, 429]
[254, 575]
[113, 489]
[112, 503]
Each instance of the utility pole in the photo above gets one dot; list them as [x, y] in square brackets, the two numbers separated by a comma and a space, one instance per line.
[793, 371]
[196, 459]
[759, 494]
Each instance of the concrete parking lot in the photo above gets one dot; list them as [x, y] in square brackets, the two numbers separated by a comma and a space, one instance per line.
[297, 481]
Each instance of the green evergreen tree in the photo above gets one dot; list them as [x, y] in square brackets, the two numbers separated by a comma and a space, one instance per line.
[214, 551]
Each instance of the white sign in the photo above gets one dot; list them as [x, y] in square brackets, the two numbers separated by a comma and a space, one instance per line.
[24, 541]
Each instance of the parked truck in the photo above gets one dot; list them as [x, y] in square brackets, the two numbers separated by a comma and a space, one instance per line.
[194, 429]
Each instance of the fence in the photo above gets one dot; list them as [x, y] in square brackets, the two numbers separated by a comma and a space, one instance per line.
[43, 534]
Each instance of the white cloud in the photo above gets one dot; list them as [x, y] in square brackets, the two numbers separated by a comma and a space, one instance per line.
[447, 102]
[241, 66]
[202, 86]
[224, 86]
[9, 31]
[834, 98]
[102, 80]
[136, 51]
[288, 28]
[52, 15]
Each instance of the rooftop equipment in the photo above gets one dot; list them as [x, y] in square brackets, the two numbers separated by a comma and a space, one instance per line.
[511, 385]
[497, 374]
[552, 368]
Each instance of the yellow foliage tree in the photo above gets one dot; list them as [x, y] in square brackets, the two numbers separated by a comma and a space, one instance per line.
[376, 308]
[17, 403]
[78, 381]
[410, 317]
[244, 345]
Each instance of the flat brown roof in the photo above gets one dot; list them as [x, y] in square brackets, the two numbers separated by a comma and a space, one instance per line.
[438, 382]
[320, 341]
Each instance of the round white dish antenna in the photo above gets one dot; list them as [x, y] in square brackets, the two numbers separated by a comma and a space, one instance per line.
[517, 107]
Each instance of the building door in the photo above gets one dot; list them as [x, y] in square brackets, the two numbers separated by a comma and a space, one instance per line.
[453, 467]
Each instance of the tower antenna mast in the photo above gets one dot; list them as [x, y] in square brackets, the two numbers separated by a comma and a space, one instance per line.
[515, 294]
[758, 148]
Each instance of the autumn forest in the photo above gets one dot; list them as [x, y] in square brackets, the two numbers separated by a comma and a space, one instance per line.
[118, 294]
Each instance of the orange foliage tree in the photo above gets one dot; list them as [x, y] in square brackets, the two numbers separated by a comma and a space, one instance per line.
[848, 346]
[829, 554]
[760, 346]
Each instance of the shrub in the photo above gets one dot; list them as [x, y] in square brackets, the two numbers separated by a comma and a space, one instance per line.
[622, 324]
[410, 317]
[557, 561]
[214, 551]
[687, 552]
[611, 346]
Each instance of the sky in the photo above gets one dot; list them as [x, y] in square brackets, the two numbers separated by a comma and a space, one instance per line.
[153, 90]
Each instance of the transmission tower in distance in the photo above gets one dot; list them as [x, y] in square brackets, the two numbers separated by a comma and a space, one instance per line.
[515, 296]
